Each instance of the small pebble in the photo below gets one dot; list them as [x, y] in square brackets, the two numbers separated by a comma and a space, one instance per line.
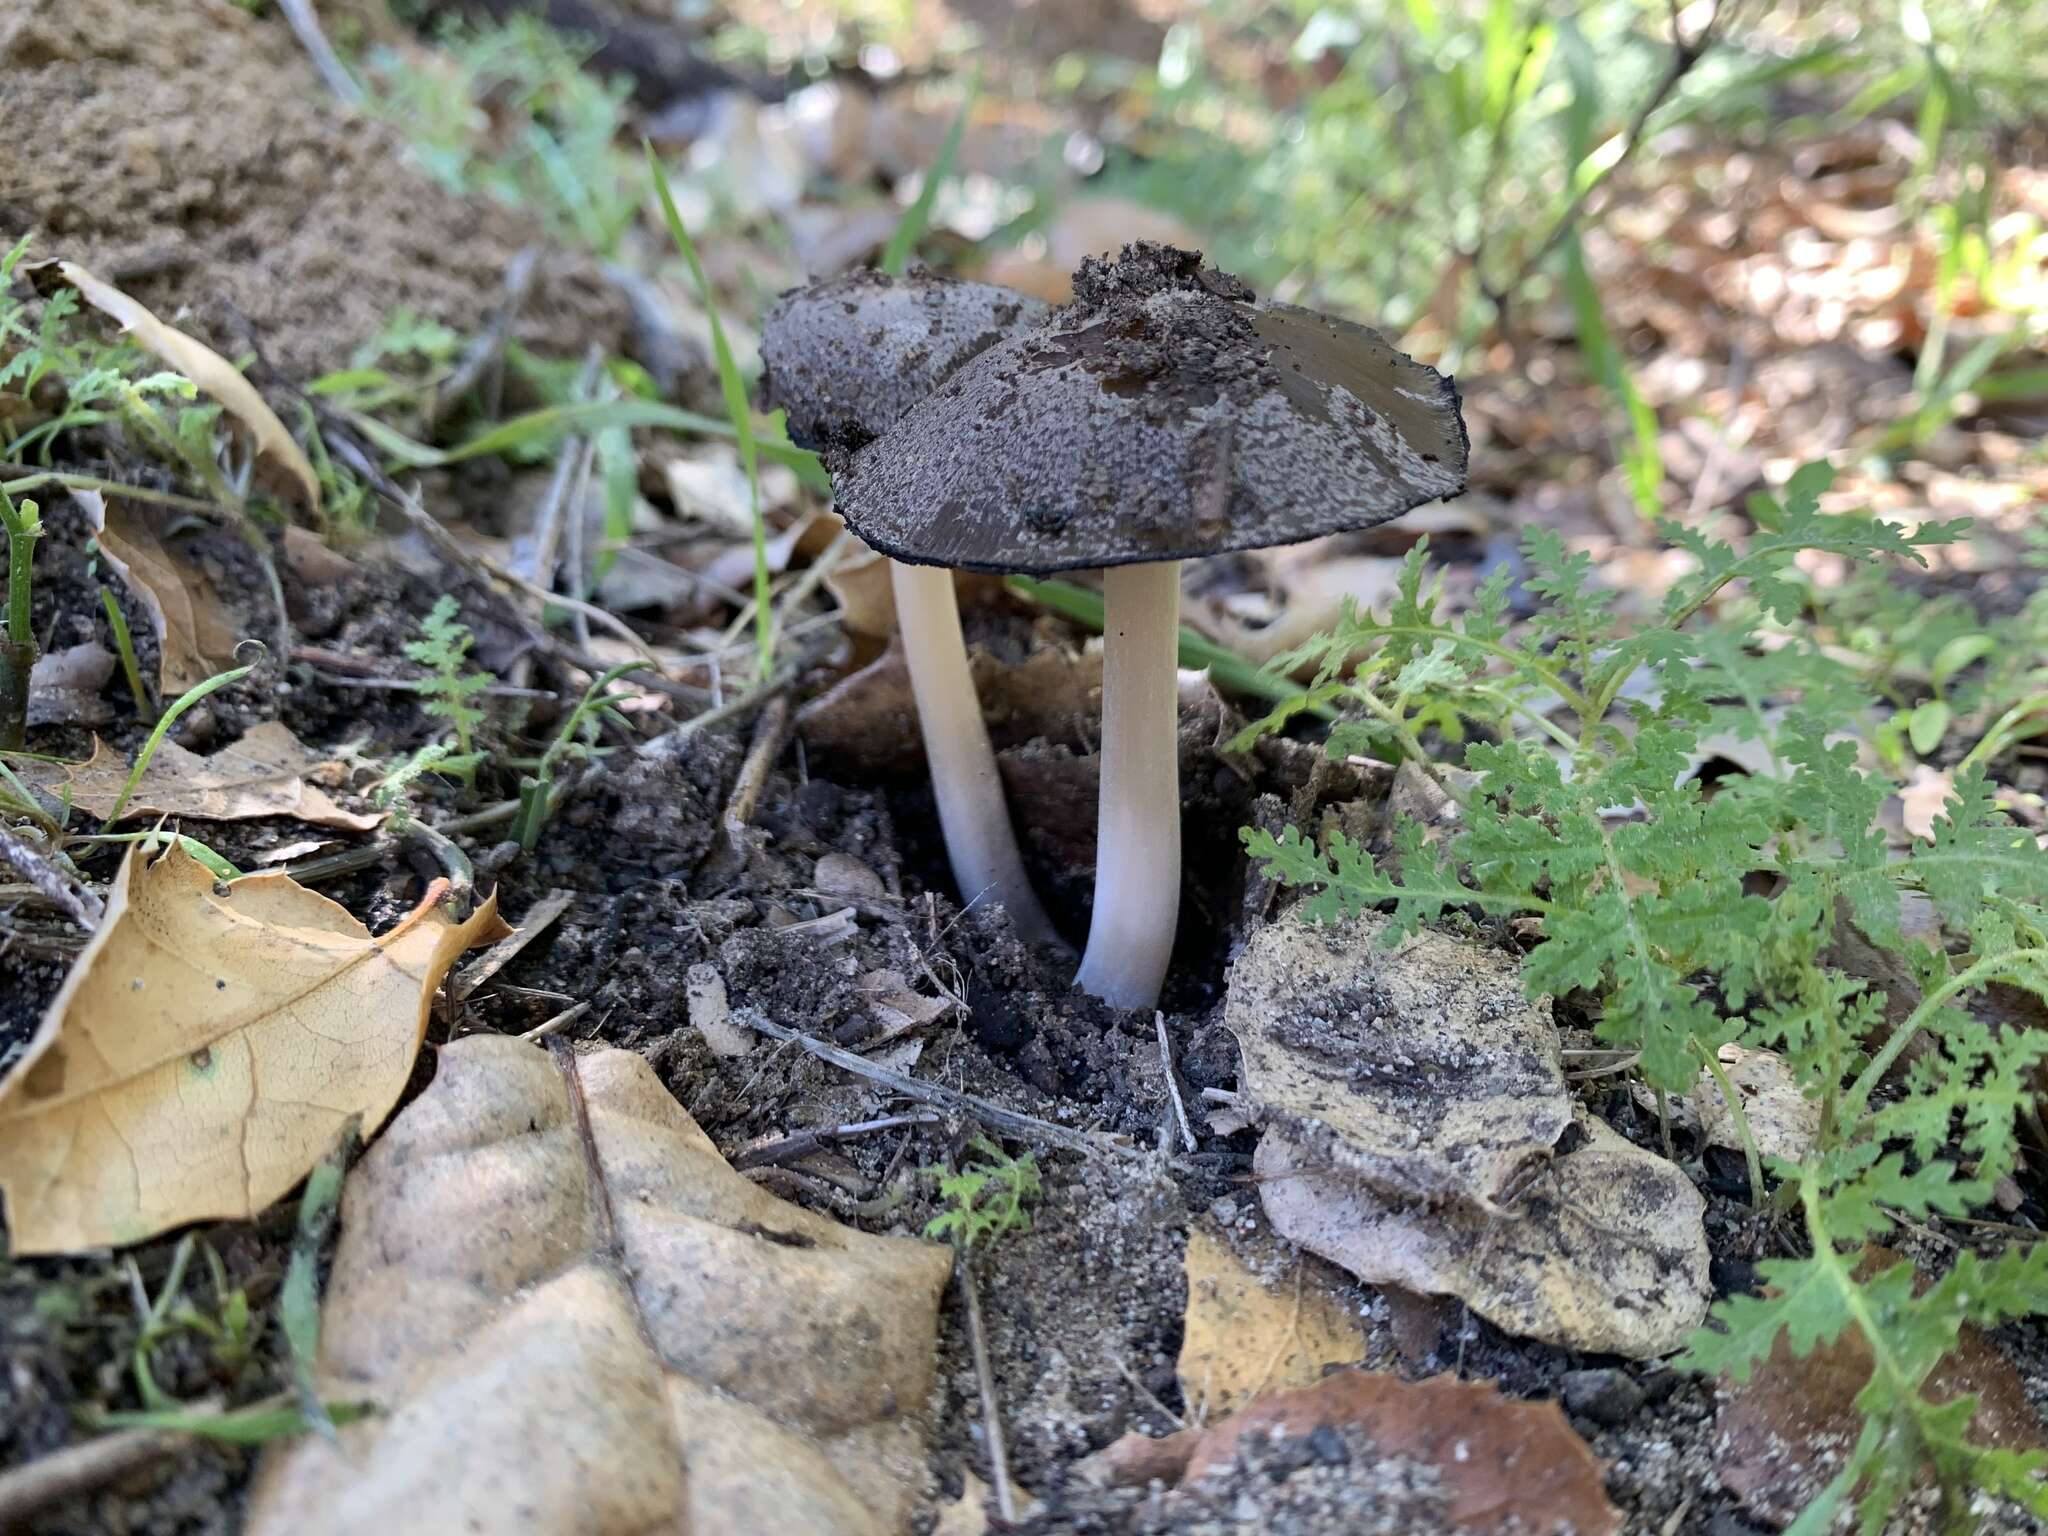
[1607, 1396]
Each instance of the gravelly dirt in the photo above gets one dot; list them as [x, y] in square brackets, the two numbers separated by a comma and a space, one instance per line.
[185, 150]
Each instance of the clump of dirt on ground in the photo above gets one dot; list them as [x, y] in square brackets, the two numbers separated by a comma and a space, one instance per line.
[190, 154]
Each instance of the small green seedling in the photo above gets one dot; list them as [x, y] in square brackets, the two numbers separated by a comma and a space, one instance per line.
[537, 788]
[22, 526]
[985, 1199]
[450, 689]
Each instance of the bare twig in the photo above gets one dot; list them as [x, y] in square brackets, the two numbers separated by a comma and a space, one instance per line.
[991, 1410]
[1024, 1127]
[761, 755]
[565, 486]
[787, 1149]
[1685, 53]
[489, 344]
[1180, 1110]
[305, 22]
[558, 1023]
[83, 1468]
[63, 893]
[538, 919]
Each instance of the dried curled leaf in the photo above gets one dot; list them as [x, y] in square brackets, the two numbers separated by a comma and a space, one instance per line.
[266, 773]
[1507, 1466]
[1419, 1134]
[195, 634]
[1781, 1434]
[1245, 1333]
[578, 1317]
[1604, 1250]
[1421, 1070]
[206, 1048]
[206, 368]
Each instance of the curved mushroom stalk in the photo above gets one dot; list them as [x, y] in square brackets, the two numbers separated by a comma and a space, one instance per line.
[1137, 858]
[972, 813]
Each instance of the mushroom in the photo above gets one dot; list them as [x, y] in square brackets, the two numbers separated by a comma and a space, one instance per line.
[846, 358]
[1162, 416]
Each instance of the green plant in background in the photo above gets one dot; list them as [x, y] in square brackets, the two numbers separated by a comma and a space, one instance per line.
[734, 389]
[536, 790]
[22, 526]
[985, 1199]
[1580, 808]
[508, 110]
[450, 689]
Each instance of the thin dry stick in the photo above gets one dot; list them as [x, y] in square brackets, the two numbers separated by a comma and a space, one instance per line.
[80, 1469]
[490, 342]
[785, 1149]
[991, 1410]
[305, 22]
[539, 918]
[1180, 1110]
[572, 467]
[68, 897]
[558, 1023]
[761, 754]
[1024, 1127]
[1685, 53]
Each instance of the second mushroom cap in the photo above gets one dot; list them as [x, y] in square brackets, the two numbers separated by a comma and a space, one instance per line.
[1163, 415]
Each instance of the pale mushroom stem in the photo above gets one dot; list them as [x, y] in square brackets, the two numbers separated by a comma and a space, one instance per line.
[972, 812]
[1137, 858]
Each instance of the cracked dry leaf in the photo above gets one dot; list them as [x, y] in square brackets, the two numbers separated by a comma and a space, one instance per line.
[1507, 1466]
[206, 368]
[1245, 1334]
[195, 635]
[1604, 1249]
[1422, 1070]
[578, 1318]
[1780, 1436]
[206, 1049]
[265, 773]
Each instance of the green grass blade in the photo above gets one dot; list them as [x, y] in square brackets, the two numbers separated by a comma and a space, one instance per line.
[1639, 454]
[735, 390]
[175, 708]
[1231, 671]
[918, 216]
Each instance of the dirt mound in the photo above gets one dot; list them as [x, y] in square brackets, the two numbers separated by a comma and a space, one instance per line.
[187, 151]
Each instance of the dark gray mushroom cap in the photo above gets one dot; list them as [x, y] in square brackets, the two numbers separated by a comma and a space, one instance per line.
[1162, 415]
[847, 357]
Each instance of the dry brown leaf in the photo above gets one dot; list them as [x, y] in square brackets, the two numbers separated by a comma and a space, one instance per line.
[578, 1317]
[1419, 1133]
[206, 1049]
[1781, 1434]
[1245, 1335]
[1507, 1466]
[206, 368]
[195, 634]
[1421, 1070]
[266, 773]
[1603, 1250]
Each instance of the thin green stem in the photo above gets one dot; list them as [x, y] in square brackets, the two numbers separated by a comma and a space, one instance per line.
[1989, 968]
[18, 652]
[177, 707]
[124, 647]
[1739, 1116]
